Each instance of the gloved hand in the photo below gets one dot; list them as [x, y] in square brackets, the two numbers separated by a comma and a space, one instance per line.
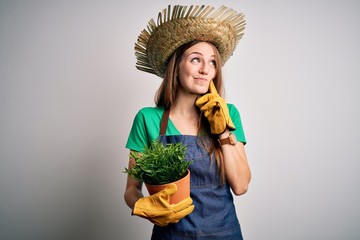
[215, 110]
[159, 211]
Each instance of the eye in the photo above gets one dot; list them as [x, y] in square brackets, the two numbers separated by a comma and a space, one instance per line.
[195, 59]
[213, 62]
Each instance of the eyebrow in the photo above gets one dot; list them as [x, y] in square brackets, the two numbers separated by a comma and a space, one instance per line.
[199, 54]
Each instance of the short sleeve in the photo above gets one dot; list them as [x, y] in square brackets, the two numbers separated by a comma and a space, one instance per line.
[235, 117]
[138, 139]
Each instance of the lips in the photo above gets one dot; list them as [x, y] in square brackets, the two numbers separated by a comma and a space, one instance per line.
[200, 78]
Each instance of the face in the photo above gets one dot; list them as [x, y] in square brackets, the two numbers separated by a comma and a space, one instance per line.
[197, 68]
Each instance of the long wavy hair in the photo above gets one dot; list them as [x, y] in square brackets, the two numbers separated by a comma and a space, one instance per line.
[167, 94]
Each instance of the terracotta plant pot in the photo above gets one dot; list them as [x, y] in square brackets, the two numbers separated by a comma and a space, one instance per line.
[183, 186]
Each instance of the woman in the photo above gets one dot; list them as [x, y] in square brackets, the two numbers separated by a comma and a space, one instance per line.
[190, 61]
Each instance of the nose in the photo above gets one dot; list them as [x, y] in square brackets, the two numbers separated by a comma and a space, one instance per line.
[204, 68]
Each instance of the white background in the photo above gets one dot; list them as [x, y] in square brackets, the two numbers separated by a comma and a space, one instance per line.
[69, 91]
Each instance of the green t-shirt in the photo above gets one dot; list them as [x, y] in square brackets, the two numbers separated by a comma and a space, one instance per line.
[146, 127]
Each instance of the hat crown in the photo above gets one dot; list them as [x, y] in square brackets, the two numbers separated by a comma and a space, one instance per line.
[223, 28]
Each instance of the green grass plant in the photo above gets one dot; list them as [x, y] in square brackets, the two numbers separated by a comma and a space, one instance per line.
[159, 163]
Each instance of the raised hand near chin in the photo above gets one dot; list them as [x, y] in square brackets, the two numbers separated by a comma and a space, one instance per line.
[215, 110]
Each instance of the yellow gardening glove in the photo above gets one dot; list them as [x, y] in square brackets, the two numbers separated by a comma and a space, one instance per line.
[215, 110]
[157, 209]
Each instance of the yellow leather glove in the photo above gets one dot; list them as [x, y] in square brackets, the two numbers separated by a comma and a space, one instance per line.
[215, 110]
[157, 209]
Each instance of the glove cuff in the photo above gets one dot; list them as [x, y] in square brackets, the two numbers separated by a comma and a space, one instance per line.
[135, 210]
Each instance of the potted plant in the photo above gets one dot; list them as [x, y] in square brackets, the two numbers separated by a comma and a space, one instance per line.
[159, 165]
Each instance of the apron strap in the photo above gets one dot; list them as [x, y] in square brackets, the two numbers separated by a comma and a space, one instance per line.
[164, 121]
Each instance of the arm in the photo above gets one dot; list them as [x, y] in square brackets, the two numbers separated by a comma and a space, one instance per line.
[133, 188]
[237, 170]
[215, 109]
[156, 208]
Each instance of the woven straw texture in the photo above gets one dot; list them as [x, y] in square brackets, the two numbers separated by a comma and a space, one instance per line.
[223, 27]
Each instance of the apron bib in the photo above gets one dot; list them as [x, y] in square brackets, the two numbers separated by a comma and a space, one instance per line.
[214, 216]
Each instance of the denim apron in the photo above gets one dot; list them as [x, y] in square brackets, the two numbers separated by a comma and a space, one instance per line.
[214, 216]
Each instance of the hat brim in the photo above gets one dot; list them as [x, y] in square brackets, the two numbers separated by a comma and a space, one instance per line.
[223, 29]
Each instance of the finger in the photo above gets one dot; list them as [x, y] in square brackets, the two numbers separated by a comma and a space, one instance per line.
[177, 207]
[204, 99]
[159, 223]
[212, 88]
[210, 105]
[185, 212]
[229, 121]
[168, 190]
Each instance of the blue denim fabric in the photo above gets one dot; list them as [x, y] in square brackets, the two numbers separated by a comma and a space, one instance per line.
[214, 216]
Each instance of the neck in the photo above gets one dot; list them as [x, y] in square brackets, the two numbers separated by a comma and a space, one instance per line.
[185, 116]
[185, 106]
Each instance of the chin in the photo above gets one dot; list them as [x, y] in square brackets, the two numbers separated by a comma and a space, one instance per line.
[200, 90]
[204, 91]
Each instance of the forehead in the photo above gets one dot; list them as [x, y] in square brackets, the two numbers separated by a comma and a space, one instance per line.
[203, 48]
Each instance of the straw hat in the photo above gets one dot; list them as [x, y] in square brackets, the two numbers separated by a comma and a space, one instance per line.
[222, 27]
